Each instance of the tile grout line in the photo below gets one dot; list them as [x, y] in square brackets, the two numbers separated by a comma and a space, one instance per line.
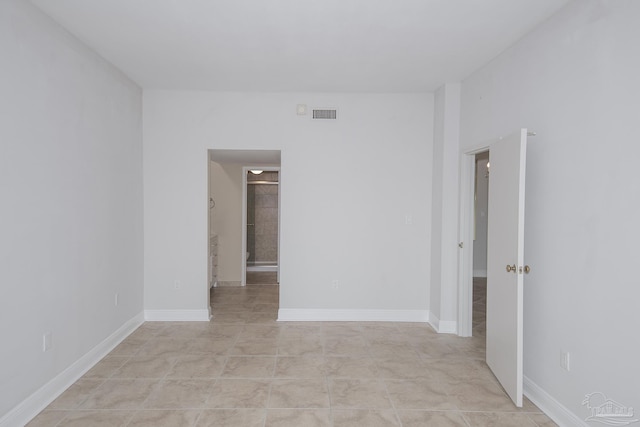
[329, 396]
[393, 405]
[273, 374]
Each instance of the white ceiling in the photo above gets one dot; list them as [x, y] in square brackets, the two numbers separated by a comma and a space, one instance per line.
[299, 45]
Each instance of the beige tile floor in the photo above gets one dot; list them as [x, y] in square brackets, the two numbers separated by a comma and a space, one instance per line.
[245, 369]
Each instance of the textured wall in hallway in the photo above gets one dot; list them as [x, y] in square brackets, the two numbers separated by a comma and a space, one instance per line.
[262, 212]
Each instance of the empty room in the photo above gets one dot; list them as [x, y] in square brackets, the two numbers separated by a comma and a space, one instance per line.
[338, 213]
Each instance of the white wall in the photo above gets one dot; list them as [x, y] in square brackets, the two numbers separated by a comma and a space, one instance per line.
[70, 200]
[346, 188]
[444, 242]
[226, 189]
[574, 80]
[436, 201]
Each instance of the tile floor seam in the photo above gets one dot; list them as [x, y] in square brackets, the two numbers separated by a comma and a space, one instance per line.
[131, 417]
[156, 387]
[222, 369]
[78, 406]
[329, 397]
[465, 420]
[266, 415]
[61, 420]
[393, 405]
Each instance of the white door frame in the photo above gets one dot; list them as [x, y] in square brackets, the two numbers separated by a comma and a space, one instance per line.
[466, 227]
[245, 170]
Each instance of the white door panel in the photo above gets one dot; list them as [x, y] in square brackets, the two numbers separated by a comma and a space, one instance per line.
[505, 247]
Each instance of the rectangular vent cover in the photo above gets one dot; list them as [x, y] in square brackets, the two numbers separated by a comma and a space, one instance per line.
[325, 114]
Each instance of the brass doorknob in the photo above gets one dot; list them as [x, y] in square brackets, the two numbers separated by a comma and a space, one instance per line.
[527, 269]
[511, 268]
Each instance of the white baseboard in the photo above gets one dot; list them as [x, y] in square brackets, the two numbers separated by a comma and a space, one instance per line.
[321, 315]
[443, 326]
[34, 404]
[177, 315]
[479, 273]
[550, 406]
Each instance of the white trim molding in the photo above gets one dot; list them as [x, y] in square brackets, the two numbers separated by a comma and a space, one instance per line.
[177, 315]
[443, 326]
[550, 406]
[25, 411]
[340, 315]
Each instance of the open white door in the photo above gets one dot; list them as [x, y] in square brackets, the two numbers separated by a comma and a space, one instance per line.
[505, 261]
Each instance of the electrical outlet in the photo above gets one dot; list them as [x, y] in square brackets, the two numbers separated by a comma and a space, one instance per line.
[177, 285]
[408, 219]
[335, 284]
[47, 341]
[565, 360]
[115, 300]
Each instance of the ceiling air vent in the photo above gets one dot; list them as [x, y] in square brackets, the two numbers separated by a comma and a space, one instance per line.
[325, 114]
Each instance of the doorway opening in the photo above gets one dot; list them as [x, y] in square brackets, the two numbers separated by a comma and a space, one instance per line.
[227, 218]
[261, 225]
[473, 229]
[480, 222]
